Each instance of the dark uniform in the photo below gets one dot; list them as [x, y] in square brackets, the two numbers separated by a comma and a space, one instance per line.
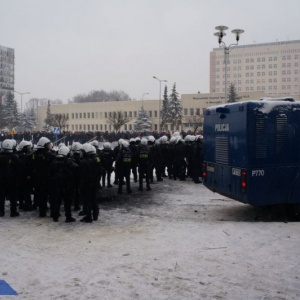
[144, 166]
[91, 172]
[62, 171]
[9, 164]
[123, 167]
[107, 164]
[134, 149]
[40, 162]
[25, 182]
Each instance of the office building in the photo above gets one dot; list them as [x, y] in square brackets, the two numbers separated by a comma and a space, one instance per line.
[272, 68]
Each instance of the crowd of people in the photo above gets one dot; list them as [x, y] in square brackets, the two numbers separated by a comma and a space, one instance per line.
[44, 177]
[69, 137]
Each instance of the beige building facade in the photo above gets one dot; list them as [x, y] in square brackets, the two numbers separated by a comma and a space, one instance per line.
[93, 116]
[272, 68]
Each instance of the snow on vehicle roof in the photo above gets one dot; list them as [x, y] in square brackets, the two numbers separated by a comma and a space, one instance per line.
[265, 105]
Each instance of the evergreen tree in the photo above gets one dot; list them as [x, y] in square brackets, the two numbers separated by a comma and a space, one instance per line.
[142, 123]
[165, 113]
[232, 94]
[28, 119]
[48, 120]
[11, 115]
[175, 109]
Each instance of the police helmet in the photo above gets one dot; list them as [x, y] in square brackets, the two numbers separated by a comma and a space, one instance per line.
[187, 138]
[144, 141]
[192, 138]
[151, 138]
[164, 139]
[24, 144]
[132, 141]
[125, 144]
[95, 143]
[172, 139]
[63, 151]
[43, 142]
[7, 145]
[106, 145]
[88, 148]
[76, 147]
[61, 145]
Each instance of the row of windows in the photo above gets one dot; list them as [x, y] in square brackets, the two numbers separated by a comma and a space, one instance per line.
[258, 67]
[263, 59]
[261, 88]
[100, 127]
[92, 115]
[96, 115]
[239, 82]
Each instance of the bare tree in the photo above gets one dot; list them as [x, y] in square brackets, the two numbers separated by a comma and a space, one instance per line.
[117, 119]
[60, 120]
[195, 121]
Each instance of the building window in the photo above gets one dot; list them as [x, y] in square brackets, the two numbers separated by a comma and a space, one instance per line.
[72, 115]
[270, 58]
[191, 111]
[93, 116]
[76, 127]
[80, 115]
[97, 127]
[275, 66]
[198, 111]
[185, 111]
[84, 127]
[135, 114]
[130, 126]
[258, 59]
[155, 113]
[270, 66]
[105, 127]
[283, 57]
[130, 114]
[150, 113]
[105, 114]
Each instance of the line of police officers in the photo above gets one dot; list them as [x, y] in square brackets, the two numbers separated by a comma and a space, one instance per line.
[74, 175]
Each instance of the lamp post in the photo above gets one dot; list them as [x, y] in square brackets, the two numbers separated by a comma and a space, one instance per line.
[220, 34]
[22, 98]
[143, 99]
[160, 81]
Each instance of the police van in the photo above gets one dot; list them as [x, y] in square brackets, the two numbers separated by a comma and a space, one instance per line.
[252, 151]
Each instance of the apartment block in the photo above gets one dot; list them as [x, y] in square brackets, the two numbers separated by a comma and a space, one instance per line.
[7, 70]
[272, 68]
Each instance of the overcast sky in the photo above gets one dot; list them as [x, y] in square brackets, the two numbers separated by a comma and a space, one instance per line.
[69, 47]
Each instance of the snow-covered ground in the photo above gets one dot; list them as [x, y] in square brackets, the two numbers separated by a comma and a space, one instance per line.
[178, 241]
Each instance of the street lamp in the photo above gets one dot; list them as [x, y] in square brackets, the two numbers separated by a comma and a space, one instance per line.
[143, 99]
[22, 98]
[220, 34]
[160, 81]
